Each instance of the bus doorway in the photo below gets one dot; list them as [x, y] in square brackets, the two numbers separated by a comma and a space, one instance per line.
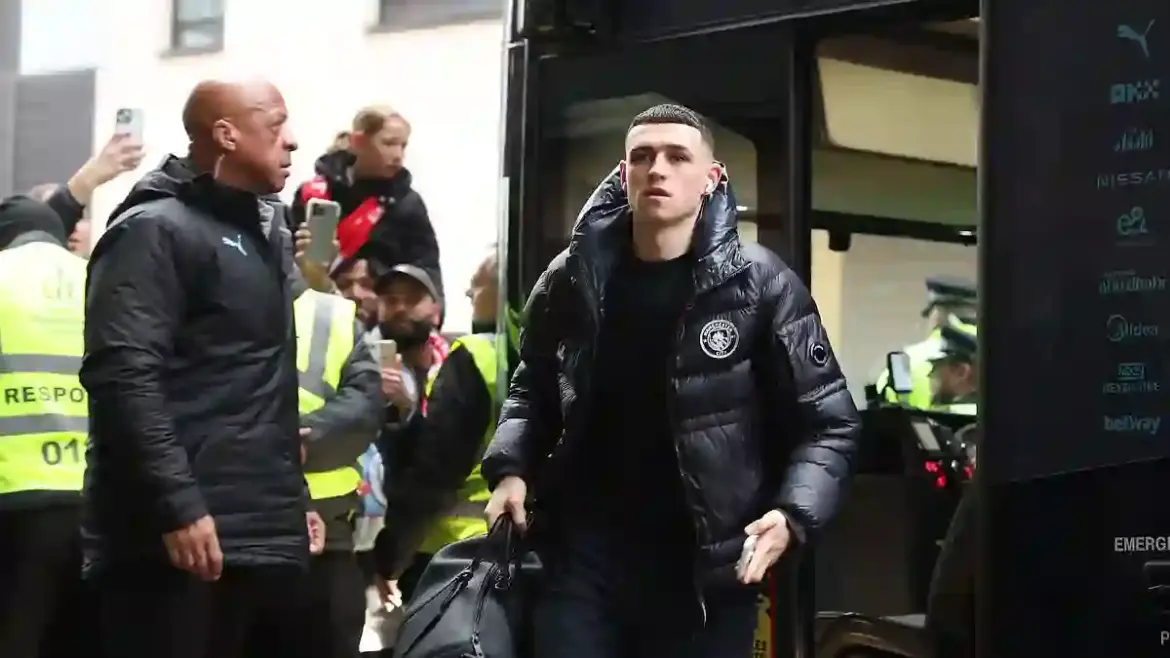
[864, 222]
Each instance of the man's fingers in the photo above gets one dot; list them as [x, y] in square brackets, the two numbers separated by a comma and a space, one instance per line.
[305, 432]
[214, 558]
[519, 516]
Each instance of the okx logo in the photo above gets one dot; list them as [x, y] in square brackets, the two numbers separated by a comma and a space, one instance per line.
[1128, 93]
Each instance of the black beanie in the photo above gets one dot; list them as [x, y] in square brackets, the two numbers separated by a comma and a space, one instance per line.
[20, 214]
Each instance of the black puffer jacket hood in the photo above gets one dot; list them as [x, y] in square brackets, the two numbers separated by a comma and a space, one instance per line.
[172, 178]
[162, 182]
[762, 416]
[335, 168]
[603, 228]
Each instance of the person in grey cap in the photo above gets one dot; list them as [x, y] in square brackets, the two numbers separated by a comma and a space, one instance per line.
[953, 377]
[43, 424]
[947, 297]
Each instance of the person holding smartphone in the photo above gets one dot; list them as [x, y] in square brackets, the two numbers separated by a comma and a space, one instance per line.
[676, 394]
[122, 153]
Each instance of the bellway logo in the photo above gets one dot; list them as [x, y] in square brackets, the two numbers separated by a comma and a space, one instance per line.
[1130, 424]
[1128, 93]
[1127, 281]
[1113, 181]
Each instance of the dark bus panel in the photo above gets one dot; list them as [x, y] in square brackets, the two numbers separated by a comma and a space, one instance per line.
[788, 87]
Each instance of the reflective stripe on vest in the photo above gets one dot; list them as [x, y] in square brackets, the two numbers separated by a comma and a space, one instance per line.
[324, 340]
[465, 518]
[44, 412]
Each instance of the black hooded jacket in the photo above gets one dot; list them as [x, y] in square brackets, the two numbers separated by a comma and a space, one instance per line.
[190, 366]
[768, 424]
[404, 231]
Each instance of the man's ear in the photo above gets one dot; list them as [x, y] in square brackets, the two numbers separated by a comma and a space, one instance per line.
[357, 139]
[225, 135]
[714, 175]
[622, 175]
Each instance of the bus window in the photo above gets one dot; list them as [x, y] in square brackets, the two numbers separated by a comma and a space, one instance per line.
[585, 103]
[872, 296]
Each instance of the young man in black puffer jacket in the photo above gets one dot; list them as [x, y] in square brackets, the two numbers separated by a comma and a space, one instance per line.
[676, 394]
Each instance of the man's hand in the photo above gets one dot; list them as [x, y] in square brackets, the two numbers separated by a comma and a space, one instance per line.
[301, 241]
[389, 593]
[394, 387]
[316, 532]
[196, 549]
[772, 537]
[508, 498]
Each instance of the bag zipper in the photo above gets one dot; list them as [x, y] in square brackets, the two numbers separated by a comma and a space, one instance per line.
[488, 584]
[456, 586]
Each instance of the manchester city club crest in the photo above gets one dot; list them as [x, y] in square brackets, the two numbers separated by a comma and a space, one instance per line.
[718, 339]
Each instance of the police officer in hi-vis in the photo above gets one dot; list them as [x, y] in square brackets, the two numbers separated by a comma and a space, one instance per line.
[947, 298]
[341, 411]
[43, 427]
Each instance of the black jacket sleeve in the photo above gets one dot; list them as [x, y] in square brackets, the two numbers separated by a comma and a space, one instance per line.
[341, 430]
[67, 208]
[531, 416]
[447, 449]
[135, 302]
[814, 406]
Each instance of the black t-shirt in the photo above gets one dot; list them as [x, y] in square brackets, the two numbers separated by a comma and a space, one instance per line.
[626, 467]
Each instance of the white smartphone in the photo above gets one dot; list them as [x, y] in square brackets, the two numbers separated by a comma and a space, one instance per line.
[130, 121]
[387, 353]
[749, 549]
[321, 218]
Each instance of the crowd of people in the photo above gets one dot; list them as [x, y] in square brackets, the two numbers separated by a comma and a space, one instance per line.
[213, 445]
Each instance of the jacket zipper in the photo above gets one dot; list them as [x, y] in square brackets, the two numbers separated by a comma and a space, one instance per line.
[687, 494]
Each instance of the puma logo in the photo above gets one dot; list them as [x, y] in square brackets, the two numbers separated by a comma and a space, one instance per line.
[237, 244]
[1127, 32]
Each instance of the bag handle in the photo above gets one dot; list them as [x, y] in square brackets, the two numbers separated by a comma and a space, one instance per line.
[501, 548]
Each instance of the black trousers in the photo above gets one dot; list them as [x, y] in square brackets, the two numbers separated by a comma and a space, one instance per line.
[603, 601]
[337, 604]
[45, 611]
[150, 610]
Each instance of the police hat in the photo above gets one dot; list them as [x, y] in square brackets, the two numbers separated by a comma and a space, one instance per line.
[949, 291]
[957, 343]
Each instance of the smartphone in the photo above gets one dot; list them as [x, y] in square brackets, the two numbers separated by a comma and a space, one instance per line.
[387, 353]
[749, 549]
[321, 218]
[131, 122]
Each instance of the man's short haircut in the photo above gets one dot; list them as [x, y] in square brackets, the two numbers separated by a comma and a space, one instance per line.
[671, 113]
[371, 120]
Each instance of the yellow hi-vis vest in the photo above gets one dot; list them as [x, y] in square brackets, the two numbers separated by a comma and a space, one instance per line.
[324, 340]
[920, 395]
[465, 519]
[44, 414]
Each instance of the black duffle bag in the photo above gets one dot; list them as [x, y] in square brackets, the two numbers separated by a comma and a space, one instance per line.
[472, 600]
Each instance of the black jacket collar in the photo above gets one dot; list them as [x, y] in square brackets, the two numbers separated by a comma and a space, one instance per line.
[602, 232]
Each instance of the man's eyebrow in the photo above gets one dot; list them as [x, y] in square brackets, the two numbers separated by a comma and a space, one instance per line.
[666, 147]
